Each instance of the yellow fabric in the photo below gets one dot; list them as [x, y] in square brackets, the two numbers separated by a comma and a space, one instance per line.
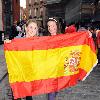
[43, 64]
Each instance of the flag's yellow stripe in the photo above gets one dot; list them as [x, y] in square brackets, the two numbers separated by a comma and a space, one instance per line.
[88, 59]
[44, 64]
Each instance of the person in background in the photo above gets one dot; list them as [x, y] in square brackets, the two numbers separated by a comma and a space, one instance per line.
[19, 29]
[53, 29]
[83, 29]
[14, 32]
[93, 31]
[62, 24]
[98, 45]
[31, 30]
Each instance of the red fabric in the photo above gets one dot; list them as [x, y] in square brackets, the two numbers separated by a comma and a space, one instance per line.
[23, 89]
[70, 29]
[47, 42]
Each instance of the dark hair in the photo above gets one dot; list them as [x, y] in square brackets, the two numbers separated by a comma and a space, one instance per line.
[57, 23]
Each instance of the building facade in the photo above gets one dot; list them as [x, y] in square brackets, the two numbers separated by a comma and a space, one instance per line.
[10, 13]
[16, 10]
[1, 22]
[7, 15]
[74, 11]
[79, 11]
[36, 9]
[96, 18]
[23, 13]
[1, 16]
[55, 8]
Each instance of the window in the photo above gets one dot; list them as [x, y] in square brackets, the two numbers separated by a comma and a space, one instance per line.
[16, 1]
[29, 1]
[30, 12]
[41, 1]
[35, 11]
[41, 12]
[36, 0]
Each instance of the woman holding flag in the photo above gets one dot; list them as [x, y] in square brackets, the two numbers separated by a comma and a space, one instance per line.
[48, 78]
[31, 30]
[53, 29]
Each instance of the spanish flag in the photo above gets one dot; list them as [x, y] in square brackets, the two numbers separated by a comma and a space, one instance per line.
[47, 64]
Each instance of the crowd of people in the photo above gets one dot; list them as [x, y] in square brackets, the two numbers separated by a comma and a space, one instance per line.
[30, 28]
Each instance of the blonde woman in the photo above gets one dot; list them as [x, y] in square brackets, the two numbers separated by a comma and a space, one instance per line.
[31, 30]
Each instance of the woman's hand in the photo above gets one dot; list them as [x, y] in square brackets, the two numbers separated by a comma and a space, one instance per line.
[7, 41]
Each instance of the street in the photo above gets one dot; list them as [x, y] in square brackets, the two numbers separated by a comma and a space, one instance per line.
[86, 90]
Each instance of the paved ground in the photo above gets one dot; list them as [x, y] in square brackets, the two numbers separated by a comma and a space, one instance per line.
[5, 91]
[87, 90]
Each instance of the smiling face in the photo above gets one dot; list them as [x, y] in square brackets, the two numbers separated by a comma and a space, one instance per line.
[31, 29]
[52, 27]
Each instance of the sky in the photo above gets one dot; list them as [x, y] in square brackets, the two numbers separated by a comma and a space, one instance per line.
[23, 3]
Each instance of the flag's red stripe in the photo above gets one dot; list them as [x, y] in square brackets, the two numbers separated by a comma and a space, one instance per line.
[47, 42]
[23, 89]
